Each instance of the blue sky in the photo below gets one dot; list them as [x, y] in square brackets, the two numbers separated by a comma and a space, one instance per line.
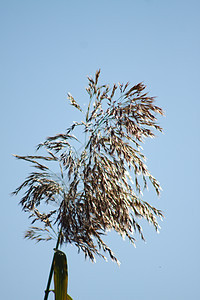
[47, 49]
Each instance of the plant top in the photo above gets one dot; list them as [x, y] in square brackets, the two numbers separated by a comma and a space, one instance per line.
[99, 187]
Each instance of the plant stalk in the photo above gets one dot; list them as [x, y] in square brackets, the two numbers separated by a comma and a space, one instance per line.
[51, 270]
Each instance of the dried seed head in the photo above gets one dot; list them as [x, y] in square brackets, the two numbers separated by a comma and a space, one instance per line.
[100, 186]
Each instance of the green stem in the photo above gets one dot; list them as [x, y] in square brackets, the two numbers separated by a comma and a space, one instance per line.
[51, 270]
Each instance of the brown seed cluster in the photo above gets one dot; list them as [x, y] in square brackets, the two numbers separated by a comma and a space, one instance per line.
[99, 187]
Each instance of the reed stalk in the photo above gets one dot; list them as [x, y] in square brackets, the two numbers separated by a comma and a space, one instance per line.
[51, 270]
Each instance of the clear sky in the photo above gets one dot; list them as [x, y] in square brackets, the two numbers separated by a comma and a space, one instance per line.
[47, 49]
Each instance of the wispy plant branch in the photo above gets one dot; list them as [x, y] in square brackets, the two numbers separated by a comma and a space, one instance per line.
[99, 187]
